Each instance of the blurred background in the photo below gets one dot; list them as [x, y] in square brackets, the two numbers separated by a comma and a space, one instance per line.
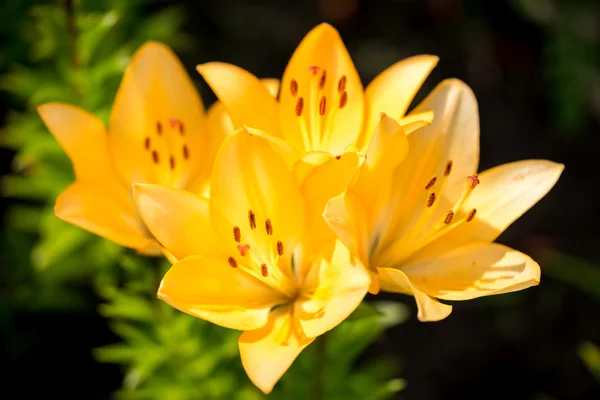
[78, 315]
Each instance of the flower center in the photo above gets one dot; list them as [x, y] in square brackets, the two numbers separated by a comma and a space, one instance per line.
[315, 111]
[168, 152]
[261, 254]
[427, 226]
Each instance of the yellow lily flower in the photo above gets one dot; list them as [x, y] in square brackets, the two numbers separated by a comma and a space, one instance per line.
[158, 134]
[322, 106]
[423, 221]
[242, 263]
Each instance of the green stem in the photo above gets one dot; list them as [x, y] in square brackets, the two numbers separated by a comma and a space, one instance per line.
[157, 278]
[319, 388]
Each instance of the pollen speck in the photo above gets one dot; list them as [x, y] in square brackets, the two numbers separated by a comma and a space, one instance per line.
[299, 106]
[343, 100]
[448, 168]
[155, 156]
[338, 157]
[158, 128]
[471, 215]
[322, 106]
[172, 162]
[449, 217]
[232, 262]
[342, 84]
[237, 234]
[269, 227]
[294, 87]
[323, 80]
[279, 247]
[264, 271]
[186, 152]
[430, 199]
[431, 182]
[252, 219]
[147, 143]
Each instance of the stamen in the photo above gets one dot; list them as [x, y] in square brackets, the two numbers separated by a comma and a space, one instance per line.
[313, 69]
[147, 143]
[279, 248]
[155, 156]
[158, 128]
[322, 106]
[431, 182]
[430, 199]
[269, 227]
[237, 234]
[176, 123]
[172, 162]
[323, 80]
[338, 157]
[186, 152]
[243, 249]
[342, 84]
[294, 87]
[232, 262]
[449, 217]
[264, 270]
[299, 106]
[472, 181]
[448, 168]
[252, 219]
[471, 215]
[343, 100]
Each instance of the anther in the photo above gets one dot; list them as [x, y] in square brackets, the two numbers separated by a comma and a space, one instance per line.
[448, 168]
[155, 156]
[269, 227]
[471, 215]
[279, 247]
[343, 100]
[147, 143]
[323, 80]
[186, 152]
[313, 69]
[430, 199]
[449, 217]
[172, 162]
[431, 182]
[342, 84]
[294, 87]
[232, 262]
[472, 181]
[299, 106]
[322, 106]
[264, 271]
[237, 234]
[158, 128]
[338, 157]
[252, 219]
[243, 249]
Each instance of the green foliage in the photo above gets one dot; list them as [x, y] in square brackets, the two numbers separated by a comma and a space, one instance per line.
[590, 354]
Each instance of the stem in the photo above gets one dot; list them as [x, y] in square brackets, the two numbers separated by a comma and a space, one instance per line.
[319, 388]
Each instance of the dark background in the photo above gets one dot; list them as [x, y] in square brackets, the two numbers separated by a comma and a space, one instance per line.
[533, 67]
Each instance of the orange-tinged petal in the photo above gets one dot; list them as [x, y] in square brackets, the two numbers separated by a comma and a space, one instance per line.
[504, 194]
[474, 270]
[321, 52]
[178, 220]
[209, 288]
[393, 90]
[247, 100]
[157, 130]
[335, 285]
[83, 137]
[99, 210]
[267, 353]
[430, 310]
[250, 185]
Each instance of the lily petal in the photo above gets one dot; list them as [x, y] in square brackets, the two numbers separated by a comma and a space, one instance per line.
[393, 90]
[321, 52]
[474, 270]
[506, 192]
[250, 185]
[335, 285]
[247, 99]
[178, 220]
[99, 210]
[396, 281]
[267, 353]
[272, 85]
[157, 116]
[209, 288]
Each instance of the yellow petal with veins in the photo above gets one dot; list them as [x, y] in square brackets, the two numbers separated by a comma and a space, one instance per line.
[157, 113]
[267, 353]
[473, 270]
[100, 210]
[393, 90]
[209, 288]
[321, 52]
[247, 100]
[505, 193]
[178, 220]
[335, 285]
[430, 310]
[249, 178]
[287, 153]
